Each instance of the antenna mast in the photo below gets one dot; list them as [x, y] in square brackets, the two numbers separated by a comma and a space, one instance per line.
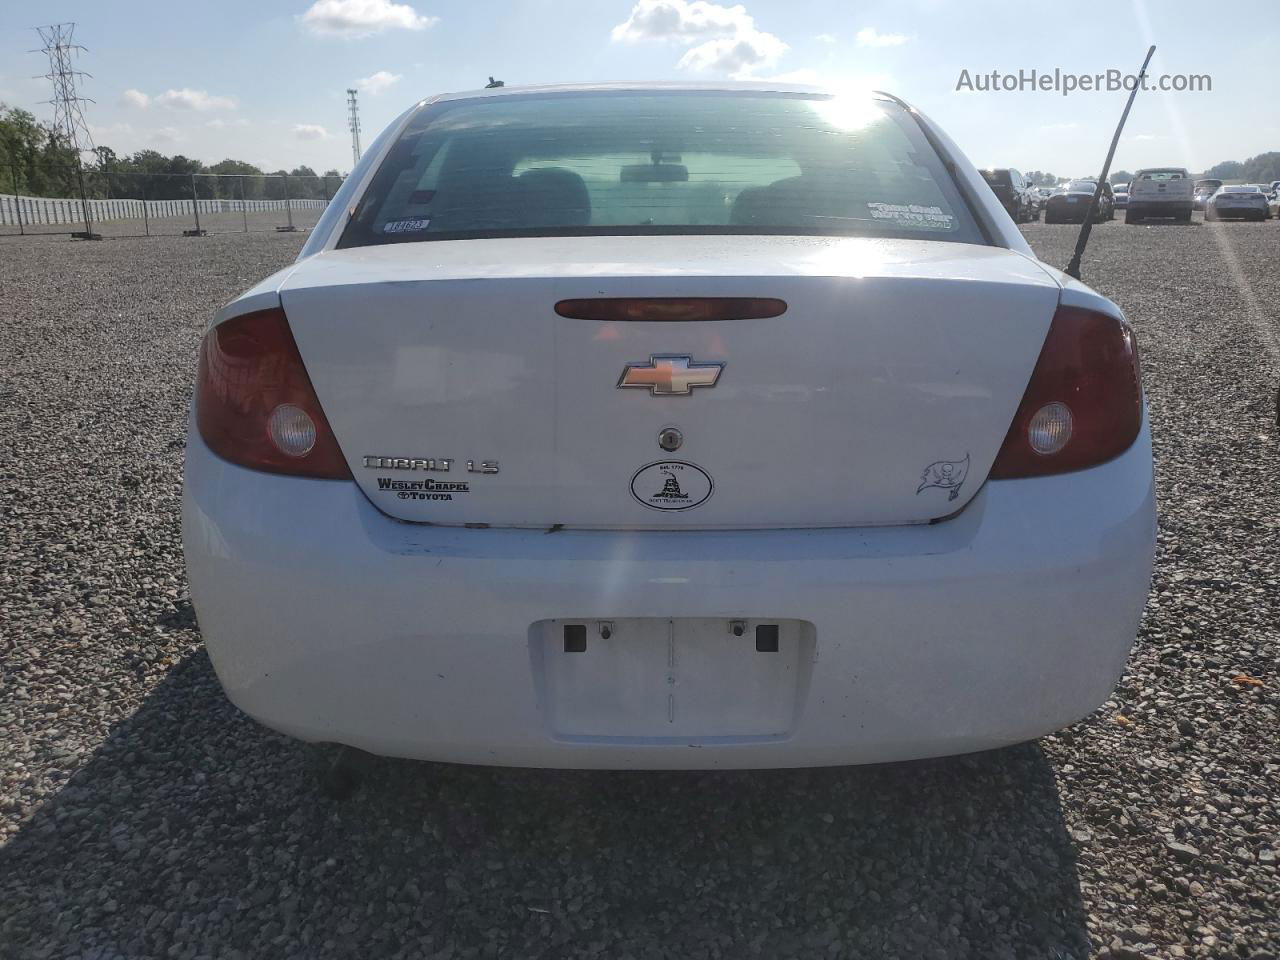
[68, 119]
[353, 123]
[1086, 228]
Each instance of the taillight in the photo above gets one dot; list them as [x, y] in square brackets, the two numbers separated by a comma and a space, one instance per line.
[255, 405]
[1083, 405]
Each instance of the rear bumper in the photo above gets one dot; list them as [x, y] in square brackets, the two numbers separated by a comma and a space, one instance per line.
[329, 621]
[1157, 211]
[1252, 212]
[1069, 212]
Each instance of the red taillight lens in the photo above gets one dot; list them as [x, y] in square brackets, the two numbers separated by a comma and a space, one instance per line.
[255, 405]
[1083, 405]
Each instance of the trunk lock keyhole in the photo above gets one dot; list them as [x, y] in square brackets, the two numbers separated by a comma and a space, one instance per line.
[669, 439]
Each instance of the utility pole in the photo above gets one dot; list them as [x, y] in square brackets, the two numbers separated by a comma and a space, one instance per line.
[68, 118]
[353, 123]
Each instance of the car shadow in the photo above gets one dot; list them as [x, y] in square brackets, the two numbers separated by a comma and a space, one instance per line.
[194, 831]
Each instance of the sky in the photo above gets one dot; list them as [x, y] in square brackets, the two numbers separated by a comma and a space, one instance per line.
[266, 80]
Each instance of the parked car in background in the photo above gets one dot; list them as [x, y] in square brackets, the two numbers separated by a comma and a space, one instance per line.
[1035, 203]
[1273, 204]
[1012, 190]
[460, 484]
[1202, 191]
[1160, 193]
[1245, 202]
[1120, 195]
[1070, 203]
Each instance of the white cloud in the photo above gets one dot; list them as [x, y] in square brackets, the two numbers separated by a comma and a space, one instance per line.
[685, 20]
[363, 18]
[188, 99]
[110, 132]
[737, 56]
[380, 81]
[135, 98]
[871, 37]
[310, 131]
[826, 38]
[726, 38]
[166, 135]
[220, 124]
[1059, 126]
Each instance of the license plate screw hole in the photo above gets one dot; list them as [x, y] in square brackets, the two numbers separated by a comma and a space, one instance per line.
[737, 627]
[575, 638]
[767, 638]
[606, 629]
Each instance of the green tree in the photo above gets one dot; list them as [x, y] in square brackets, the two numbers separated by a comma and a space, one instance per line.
[1227, 170]
[1263, 168]
[33, 158]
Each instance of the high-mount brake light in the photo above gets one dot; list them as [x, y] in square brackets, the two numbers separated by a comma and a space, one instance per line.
[1083, 405]
[672, 309]
[255, 405]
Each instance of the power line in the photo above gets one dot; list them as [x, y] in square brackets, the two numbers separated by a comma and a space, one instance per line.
[353, 124]
[68, 117]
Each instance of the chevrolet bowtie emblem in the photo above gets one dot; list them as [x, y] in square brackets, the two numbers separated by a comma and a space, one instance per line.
[667, 375]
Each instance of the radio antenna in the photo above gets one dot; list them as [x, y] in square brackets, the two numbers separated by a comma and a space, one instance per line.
[1073, 268]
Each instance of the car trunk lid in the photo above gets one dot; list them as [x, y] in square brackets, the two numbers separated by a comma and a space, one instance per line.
[460, 396]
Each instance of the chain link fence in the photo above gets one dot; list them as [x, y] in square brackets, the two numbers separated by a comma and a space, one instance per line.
[167, 204]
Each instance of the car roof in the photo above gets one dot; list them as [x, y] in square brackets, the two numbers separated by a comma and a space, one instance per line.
[739, 86]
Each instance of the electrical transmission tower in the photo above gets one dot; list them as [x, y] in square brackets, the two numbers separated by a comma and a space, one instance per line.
[353, 123]
[68, 118]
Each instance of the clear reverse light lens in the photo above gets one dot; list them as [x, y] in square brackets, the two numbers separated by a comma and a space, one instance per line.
[1049, 429]
[292, 430]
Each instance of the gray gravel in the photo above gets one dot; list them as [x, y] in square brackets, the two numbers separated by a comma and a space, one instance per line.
[142, 816]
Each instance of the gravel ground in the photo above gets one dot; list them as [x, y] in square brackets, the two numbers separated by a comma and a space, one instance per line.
[142, 816]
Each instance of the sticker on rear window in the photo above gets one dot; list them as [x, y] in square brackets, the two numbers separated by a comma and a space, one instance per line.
[912, 215]
[412, 225]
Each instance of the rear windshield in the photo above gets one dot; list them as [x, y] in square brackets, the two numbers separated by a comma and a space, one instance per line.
[1161, 175]
[1080, 186]
[996, 178]
[1208, 184]
[660, 163]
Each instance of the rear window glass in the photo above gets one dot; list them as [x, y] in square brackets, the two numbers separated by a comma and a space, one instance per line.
[1161, 175]
[996, 178]
[660, 163]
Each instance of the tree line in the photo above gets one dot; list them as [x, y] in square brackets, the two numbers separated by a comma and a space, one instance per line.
[35, 160]
[1264, 169]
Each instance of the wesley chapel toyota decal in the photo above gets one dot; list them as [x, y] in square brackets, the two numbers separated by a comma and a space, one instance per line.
[671, 485]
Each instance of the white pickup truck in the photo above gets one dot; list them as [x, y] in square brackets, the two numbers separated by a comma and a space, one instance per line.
[1160, 192]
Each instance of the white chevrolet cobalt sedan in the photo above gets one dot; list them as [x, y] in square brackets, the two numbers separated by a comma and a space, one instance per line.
[653, 426]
